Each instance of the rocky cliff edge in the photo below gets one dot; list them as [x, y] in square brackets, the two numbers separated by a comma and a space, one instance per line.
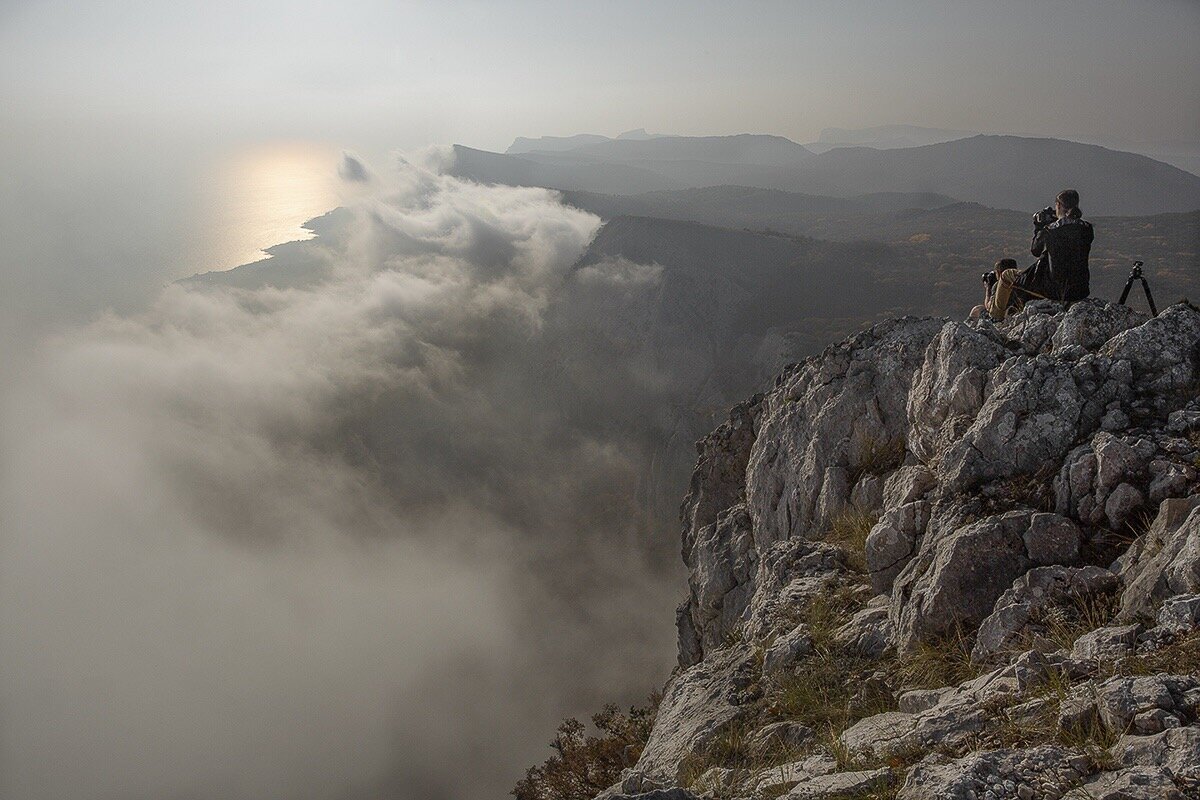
[947, 559]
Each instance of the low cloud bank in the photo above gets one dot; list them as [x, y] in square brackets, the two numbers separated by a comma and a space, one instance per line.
[371, 535]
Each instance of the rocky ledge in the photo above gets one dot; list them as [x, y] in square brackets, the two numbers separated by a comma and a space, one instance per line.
[947, 559]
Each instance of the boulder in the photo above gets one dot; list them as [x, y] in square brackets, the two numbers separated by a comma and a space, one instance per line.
[1022, 611]
[1107, 644]
[893, 541]
[1165, 561]
[1134, 783]
[840, 784]
[954, 581]
[785, 651]
[697, 704]
[1176, 750]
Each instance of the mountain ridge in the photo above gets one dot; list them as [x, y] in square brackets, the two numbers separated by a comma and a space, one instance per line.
[1022, 173]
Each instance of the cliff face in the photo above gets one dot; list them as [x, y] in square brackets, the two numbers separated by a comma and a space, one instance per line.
[948, 560]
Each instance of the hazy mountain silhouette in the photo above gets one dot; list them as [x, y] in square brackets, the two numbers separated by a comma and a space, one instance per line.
[750, 149]
[596, 176]
[1009, 172]
[998, 171]
[884, 137]
[554, 144]
[523, 144]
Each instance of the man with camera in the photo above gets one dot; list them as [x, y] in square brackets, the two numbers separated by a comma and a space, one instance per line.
[1062, 242]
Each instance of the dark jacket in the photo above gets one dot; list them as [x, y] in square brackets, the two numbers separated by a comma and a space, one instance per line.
[1062, 249]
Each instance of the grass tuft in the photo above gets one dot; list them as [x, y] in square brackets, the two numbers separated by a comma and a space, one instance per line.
[877, 457]
[938, 663]
[849, 530]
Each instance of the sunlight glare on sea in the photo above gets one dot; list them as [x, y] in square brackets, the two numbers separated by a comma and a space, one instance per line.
[259, 197]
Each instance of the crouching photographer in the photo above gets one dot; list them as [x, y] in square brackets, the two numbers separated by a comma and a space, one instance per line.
[1062, 242]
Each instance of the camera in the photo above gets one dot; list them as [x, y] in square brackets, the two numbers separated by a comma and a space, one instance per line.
[1044, 217]
[989, 278]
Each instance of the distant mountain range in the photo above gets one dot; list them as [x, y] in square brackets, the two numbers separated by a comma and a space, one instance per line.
[885, 137]
[1015, 172]
[554, 144]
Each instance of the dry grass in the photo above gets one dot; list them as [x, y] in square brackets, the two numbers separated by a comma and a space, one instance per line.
[1065, 623]
[1179, 657]
[849, 530]
[878, 456]
[1034, 490]
[934, 664]
[832, 688]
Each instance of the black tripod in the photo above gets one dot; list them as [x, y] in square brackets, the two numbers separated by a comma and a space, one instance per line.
[1135, 274]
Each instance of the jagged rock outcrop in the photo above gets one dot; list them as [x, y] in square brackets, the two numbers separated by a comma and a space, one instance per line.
[988, 531]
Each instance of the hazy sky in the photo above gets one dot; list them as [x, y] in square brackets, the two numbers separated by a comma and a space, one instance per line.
[405, 74]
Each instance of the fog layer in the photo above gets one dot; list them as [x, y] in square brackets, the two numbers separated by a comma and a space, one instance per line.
[370, 535]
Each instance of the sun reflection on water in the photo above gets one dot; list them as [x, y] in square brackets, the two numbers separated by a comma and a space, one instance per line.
[260, 197]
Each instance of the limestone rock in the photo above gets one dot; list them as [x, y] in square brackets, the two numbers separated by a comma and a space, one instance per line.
[1165, 561]
[1052, 539]
[828, 417]
[787, 650]
[1135, 783]
[787, 775]
[780, 737]
[658, 794]
[840, 784]
[1180, 613]
[696, 705]
[1108, 643]
[868, 633]
[1098, 481]
[907, 484]
[1162, 351]
[1046, 771]
[1142, 704]
[956, 580]
[1177, 750]
[1022, 611]
[893, 541]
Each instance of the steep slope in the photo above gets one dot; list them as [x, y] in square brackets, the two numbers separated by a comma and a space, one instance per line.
[947, 560]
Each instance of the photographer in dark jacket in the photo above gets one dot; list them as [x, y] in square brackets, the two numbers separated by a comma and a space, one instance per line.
[1062, 242]
[1062, 245]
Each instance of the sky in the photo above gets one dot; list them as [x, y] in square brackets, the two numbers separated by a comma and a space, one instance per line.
[402, 74]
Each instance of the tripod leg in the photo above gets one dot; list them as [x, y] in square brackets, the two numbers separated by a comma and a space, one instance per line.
[1149, 297]
[1125, 293]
